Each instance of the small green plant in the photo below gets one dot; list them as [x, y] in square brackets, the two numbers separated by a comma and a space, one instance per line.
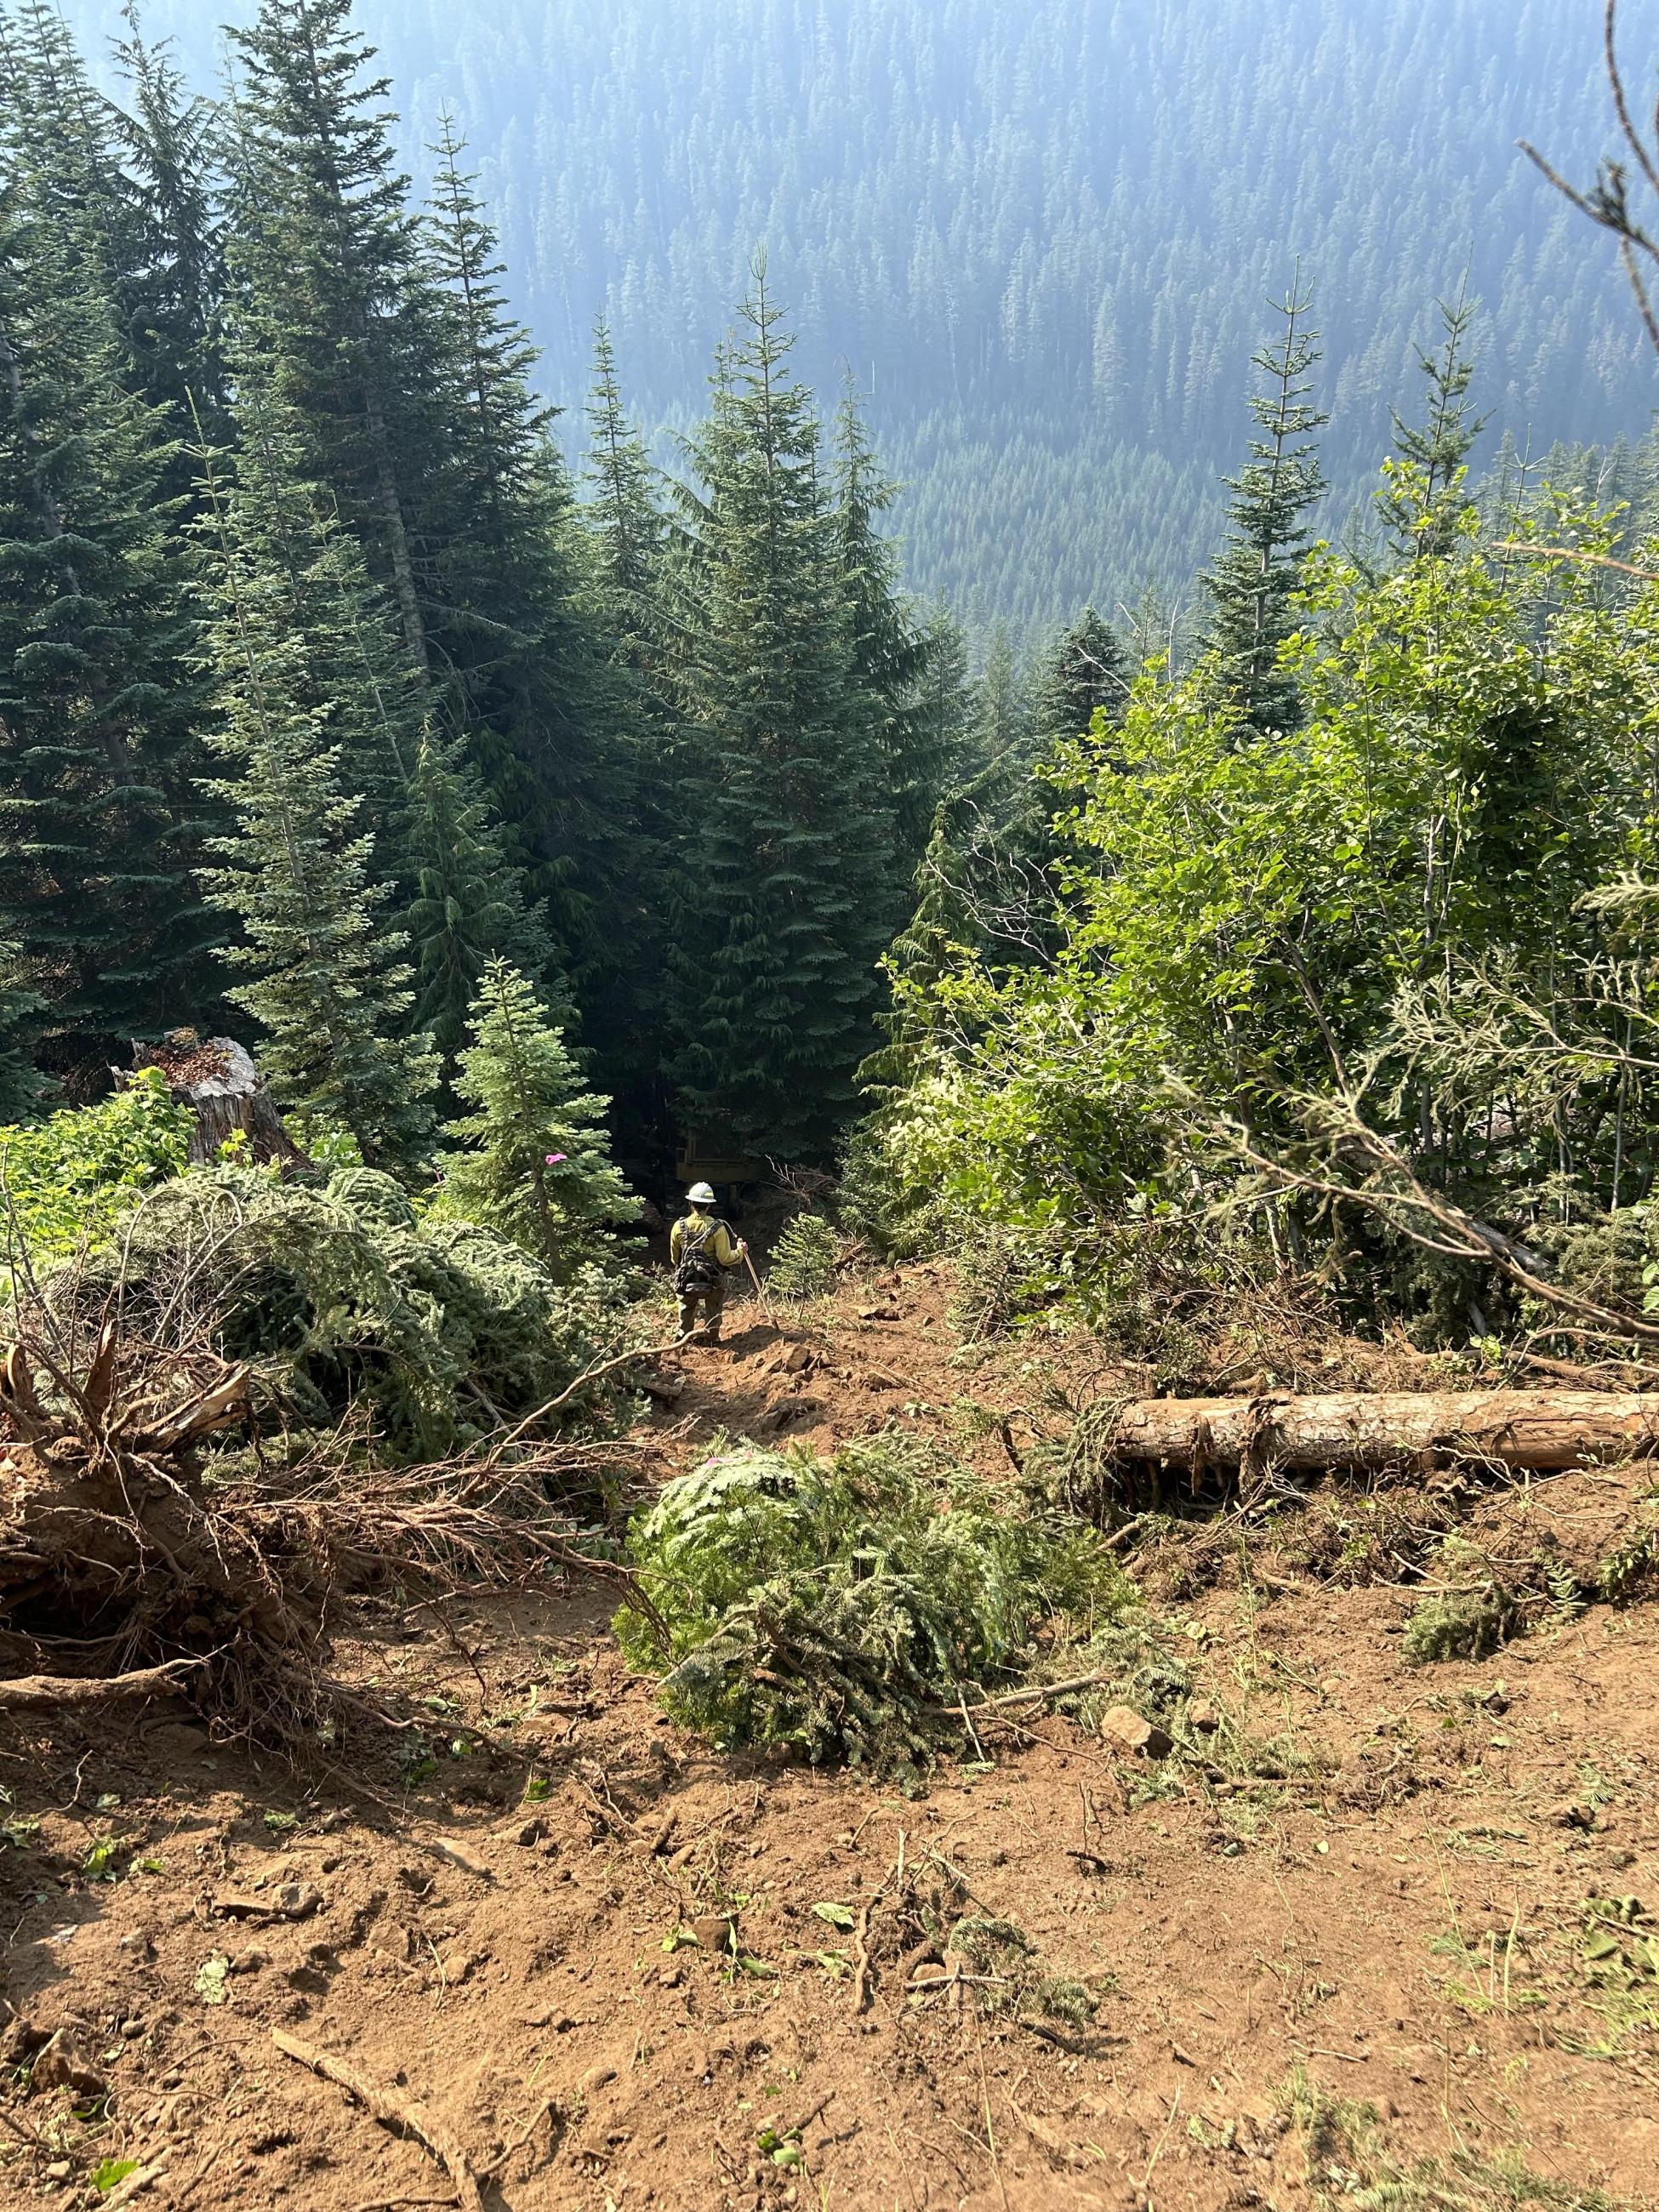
[1618, 1958]
[804, 1259]
[1471, 1620]
[418, 1764]
[1350, 2170]
[100, 1861]
[1629, 1571]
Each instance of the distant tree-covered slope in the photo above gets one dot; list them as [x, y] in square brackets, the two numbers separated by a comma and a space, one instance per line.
[1041, 236]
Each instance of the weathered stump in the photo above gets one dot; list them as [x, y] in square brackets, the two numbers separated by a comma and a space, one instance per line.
[215, 1077]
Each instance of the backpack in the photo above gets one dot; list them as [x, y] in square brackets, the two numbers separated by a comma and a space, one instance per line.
[698, 1272]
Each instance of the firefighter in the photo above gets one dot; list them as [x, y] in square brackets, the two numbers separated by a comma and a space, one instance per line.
[702, 1251]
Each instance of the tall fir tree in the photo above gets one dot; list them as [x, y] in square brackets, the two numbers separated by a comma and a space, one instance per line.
[624, 513]
[531, 1159]
[1256, 575]
[924, 952]
[434, 841]
[173, 298]
[329, 979]
[386, 335]
[782, 880]
[101, 823]
[890, 649]
[322, 262]
[507, 569]
[1422, 506]
[627, 533]
[466, 904]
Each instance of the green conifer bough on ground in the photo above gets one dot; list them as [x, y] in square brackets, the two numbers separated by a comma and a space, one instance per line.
[848, 1607]
[531, 1160]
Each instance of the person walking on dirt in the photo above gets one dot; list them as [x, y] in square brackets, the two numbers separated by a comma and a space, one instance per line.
[701, 1250]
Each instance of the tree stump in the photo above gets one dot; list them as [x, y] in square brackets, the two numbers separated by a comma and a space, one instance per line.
[215, 1077]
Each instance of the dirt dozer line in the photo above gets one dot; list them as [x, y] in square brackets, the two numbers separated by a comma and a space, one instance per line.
[1542, 1431]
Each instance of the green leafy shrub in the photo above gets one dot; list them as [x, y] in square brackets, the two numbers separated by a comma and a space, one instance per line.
[1631, 1568]
[804, 1259]
[69, 1179]
[347, 1299]
[845, 1607]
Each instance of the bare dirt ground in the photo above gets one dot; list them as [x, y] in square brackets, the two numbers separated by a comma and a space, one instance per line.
[487, 1911]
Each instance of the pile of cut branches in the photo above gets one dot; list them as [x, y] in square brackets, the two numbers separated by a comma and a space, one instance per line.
[850, 1608]
[136, 1558]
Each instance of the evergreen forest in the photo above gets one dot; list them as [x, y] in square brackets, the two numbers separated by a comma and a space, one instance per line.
[532, 806]
[1026, 635]
[1038, 237]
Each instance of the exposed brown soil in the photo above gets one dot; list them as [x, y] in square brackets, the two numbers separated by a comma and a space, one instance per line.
[1402, 1919]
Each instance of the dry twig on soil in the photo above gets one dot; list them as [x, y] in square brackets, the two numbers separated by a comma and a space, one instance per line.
[392, 2110]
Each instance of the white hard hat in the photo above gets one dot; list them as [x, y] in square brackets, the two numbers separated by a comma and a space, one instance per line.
[700, 1194]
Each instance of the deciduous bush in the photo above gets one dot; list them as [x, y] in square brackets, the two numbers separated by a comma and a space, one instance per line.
[70, 1178]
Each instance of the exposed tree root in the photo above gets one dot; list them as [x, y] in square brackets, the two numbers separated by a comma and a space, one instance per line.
[392, 2110]
[38, 1692]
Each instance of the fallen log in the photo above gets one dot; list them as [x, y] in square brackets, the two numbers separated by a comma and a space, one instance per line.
[1544, 1431]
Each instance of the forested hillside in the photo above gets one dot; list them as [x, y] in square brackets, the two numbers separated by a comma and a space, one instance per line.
[1182, 1117]
[330, 702]
[1040, 237]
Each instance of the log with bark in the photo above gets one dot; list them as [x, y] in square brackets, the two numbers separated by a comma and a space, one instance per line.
[215, 1077]
[1542, 1431]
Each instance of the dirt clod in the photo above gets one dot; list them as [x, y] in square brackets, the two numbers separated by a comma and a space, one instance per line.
[63, 2064]
[715, 1931]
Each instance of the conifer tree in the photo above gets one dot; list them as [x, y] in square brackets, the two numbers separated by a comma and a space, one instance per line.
[947, 700]
[504, 567]
[531, 1159]
[783, 881]
[329, 983]
[1002, 726]
[434, 841]
[101, 822]
[1086, 671]
[623, 516]
[627, 533]
[1422, 510]
[1255, 579]
[889, 651]
[466, 905]
[61, 138]
[386, 337]
[322, 253]
[174, 297]
[924, 949]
